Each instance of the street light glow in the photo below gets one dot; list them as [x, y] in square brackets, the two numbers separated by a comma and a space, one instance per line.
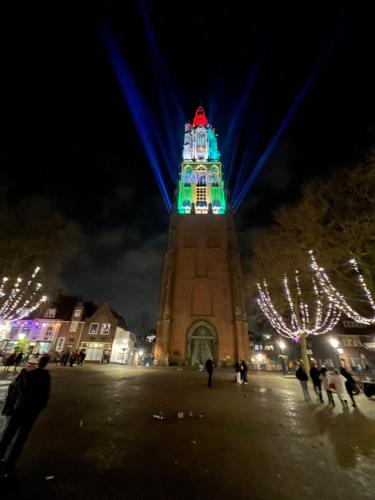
[334, 343]
[282, 344]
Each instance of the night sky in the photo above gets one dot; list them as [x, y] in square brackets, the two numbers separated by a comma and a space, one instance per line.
[68, 136]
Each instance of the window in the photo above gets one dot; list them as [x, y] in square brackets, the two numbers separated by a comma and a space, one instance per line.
[105, 328]
[77, 313]
[49, 332]
[73, 326]
[94, 328]
[351, 341]
[60, 344]
[50, 313]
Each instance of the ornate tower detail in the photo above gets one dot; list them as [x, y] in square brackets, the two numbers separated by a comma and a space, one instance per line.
[202, 307]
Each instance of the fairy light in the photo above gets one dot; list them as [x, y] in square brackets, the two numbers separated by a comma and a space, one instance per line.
[21, 297]
[338, 299]
[301, 324]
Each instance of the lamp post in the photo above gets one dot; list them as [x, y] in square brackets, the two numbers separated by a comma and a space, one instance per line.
[338, 350]
[282, 346]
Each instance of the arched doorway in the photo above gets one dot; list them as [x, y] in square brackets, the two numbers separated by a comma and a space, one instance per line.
[201, 343]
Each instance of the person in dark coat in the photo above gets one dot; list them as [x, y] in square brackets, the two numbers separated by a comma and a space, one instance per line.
[81, 357]
[26, 399]
[237, 367]
[210, 369]
[350, 384]
[243, 367]
[317, 383]
[303, 378]
[18, 360]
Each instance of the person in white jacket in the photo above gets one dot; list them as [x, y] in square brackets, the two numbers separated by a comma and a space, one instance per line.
[339, 381]
[326, 379]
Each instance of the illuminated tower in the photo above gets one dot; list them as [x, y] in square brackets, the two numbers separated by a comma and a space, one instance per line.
[202, 307]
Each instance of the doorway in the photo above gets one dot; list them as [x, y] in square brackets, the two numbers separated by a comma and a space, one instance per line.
[201, 343]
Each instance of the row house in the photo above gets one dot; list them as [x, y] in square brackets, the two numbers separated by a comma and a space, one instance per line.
[72, 325]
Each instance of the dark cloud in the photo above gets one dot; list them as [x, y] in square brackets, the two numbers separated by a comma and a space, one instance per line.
[127, 278]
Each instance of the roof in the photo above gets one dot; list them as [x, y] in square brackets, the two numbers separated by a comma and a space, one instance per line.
[120, 319]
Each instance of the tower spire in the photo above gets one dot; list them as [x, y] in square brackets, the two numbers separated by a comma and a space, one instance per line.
[201, 185]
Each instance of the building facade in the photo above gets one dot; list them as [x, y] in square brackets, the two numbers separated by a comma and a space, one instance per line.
[202, 307]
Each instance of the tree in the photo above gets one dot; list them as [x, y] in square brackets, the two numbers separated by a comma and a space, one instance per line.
[33, 233]
[336, 218]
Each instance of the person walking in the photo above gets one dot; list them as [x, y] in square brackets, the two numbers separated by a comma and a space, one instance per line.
[317, 383]
[81, 357]
[339, 381]
[210, 369]
[326, 382]
[238, 372]
[350, 384]
[243, 368]
[303, 378]
[27, 397]
[18, 360]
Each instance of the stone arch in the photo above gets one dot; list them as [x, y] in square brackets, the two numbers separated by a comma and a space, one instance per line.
[201, 342]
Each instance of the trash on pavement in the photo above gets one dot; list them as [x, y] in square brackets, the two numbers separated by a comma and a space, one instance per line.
[81, 423]
[180, 414]
[193, 442]
[48, 478]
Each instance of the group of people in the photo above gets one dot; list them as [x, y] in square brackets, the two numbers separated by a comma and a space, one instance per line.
[73, 357]
[241, 372]
[340, 381]
[240, 367]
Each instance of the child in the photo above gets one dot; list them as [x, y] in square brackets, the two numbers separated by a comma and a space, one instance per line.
[339, 381]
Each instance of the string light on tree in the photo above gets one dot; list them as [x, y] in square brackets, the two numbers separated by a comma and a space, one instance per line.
[301, 323]
[20, 298]
[337, 298]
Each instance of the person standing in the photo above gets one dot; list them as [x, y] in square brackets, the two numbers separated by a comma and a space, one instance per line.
[302, 376]
[317, 383]
[81, 357]
[243, 367]
[72, 358]
[339, 381]
[350, 384]
[238, 372]
[18, 360]
[210, 369]
[326, 382]
[26, 399]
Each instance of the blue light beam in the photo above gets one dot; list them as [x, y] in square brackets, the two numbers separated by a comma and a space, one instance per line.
[136, 106]
[285, 122]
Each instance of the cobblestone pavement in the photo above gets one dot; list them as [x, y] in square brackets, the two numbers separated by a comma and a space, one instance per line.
[98, 439]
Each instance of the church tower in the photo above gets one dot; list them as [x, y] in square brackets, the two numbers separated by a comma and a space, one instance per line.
[202, 307]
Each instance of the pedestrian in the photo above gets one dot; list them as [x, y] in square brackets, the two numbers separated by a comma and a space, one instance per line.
[9, 361]
[339, 381]
[317, 383]
[243, 367]
[302, 376]
[350, 384]
[237, 367]
[81, 357]
[326, 381]
[18, 360]
[210, 369]
[72, 358]
[27, 397]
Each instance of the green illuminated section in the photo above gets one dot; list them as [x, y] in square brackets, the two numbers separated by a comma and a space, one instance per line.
[214, 154]
[201, 188]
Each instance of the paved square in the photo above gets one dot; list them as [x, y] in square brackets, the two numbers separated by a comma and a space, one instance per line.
[98, 439]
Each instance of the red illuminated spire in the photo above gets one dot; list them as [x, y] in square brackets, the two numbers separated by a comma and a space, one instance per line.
[200, 117]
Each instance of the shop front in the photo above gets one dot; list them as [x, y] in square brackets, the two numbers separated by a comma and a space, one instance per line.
[96, 351]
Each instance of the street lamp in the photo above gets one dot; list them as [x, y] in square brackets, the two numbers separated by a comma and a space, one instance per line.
[334, 342]
[282, 345]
